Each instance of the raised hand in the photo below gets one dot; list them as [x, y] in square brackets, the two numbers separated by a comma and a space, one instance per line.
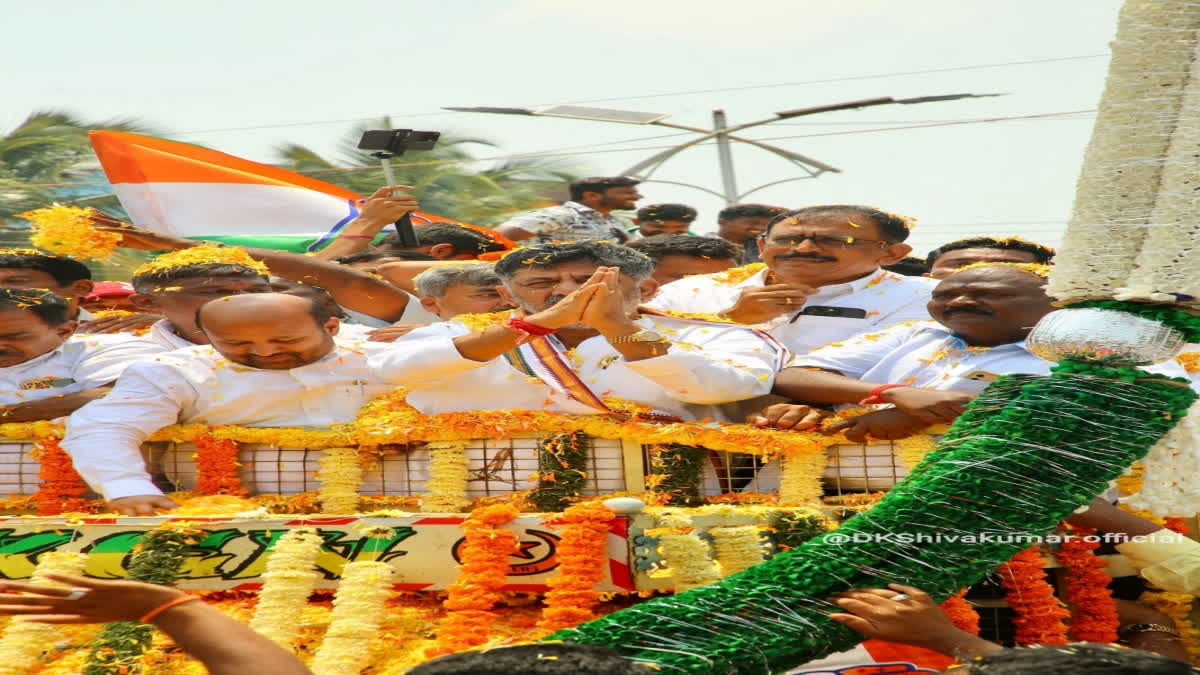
[570, 309]
[138, 237]
[758, 305]
[386, 205]
[791, 416]
[84, 601]
[608, 310]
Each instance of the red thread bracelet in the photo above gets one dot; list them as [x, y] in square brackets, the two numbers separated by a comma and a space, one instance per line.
[149, 616]
[873, 397]
[526, 328]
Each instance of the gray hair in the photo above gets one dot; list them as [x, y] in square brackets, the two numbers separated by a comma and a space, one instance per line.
[435, 281]
[600, 253]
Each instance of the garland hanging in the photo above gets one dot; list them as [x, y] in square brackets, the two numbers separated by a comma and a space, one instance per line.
[483, 572]
[562, 471]
[217, 466]
[737, 547]
[1039, 615]
[287, 582]
[1052, 421]
[675, 473]
[340, 475]
[24, 641]
[1093, 612]
[446, 491]
[800, 479]
[581, 564]
[358, 611]
[62, 490]
[961, 613]
[119, 647]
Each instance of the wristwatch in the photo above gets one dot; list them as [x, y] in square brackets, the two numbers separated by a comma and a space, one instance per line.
[640, 336]
[1127, 631]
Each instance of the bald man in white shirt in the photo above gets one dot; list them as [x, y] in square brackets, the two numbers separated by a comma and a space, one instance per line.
[46, 372]
[823, 280]
[273, 361]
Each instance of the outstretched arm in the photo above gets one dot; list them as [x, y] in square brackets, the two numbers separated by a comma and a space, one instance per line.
[378, 211]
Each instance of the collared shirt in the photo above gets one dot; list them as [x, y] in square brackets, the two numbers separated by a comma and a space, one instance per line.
[198, 385]
[162, 332]
[571, 221]
[706, 365]
[886, 297]
[414, 315]
[80, 362]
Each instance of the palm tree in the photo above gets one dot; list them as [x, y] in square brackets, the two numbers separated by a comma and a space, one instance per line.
[441, 178]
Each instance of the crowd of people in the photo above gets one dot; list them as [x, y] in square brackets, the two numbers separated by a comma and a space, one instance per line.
[778, 320]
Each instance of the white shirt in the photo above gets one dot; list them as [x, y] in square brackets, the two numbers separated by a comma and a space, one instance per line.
[162, 332]
[80, 362]
[198, 385]
[706, 365]
[414, 315]
[887, 298]
[927, 354]
[571, 221]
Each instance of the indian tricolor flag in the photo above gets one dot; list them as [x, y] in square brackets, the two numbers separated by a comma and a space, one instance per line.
[193, 192]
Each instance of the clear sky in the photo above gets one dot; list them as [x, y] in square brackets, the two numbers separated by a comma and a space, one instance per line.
[245, 76]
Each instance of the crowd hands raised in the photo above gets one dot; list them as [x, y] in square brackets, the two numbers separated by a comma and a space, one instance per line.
[838, 315]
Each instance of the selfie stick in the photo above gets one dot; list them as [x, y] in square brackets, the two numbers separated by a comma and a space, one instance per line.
[388, 144]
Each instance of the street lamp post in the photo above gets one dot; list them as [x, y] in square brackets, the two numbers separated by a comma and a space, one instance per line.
[721, 133]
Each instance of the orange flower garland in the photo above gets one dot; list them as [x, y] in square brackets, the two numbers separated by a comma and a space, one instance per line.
[62, 489]
[961, 613]
[1039, 619]
[1094, 614]
[581, 562]
[217, 466]
[483, 572]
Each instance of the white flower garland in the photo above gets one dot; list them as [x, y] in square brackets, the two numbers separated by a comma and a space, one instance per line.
[737, 547]
[1171, 483]
[289, 580]
[358, 611]
[24, 641]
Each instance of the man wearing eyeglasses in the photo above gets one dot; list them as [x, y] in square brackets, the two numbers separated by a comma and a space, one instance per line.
[822, 281]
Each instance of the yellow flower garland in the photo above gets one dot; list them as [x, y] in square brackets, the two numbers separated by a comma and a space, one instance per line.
[288, 581]
[913, 449]
[1178, 606]
[446, 490]
[737, 547]
[800, 479]
[340, 475]
[358, 610]
[68, 230]
[24, 641]
[687, 557]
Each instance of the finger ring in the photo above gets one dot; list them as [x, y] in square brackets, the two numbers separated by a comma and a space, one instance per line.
[787, 301]
[901, 597]
[77, 594]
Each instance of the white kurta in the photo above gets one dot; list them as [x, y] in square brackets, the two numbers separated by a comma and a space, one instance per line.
[198, 385]
[706, 365]
[81, 362]
[886, 297]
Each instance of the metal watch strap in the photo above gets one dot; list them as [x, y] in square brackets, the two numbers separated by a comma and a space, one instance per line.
[630, 337]
[1126, 631]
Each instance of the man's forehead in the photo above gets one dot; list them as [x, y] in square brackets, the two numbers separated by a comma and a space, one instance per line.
[992, 277]
[571, 268]
[25, 271]
[839, 223]
[987, 253]
[220, 280]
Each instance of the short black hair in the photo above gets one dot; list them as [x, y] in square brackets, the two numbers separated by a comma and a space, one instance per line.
[1041, 254]
[604, 254]
[659, 246]
[679, 212]
[750, 211]
[894, 228]
[463, 239]
[550, 658]
[150, 282]
[315, 309]
[909, 267]
[51, 308]
[1080, 657]
[65, 271]
[599, 184]
[371, 256]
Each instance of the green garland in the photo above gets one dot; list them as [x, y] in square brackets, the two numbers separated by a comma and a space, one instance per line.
[1024, 456]
[120, 645]
[562, 471]
[1183, 322]
[679, 466]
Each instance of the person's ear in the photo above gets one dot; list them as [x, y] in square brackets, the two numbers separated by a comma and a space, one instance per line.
[144, 303]
[647, 288]
[66, 330]
[81, 289]
[333, 325]
[442, 251]
[894, 254]
[430, 304]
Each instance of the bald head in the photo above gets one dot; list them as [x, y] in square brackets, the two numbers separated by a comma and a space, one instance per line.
[273, 331]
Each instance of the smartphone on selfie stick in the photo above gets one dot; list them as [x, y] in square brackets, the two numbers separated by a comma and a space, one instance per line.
[389, 143]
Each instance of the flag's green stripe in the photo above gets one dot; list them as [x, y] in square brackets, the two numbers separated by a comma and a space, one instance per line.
[294, 243]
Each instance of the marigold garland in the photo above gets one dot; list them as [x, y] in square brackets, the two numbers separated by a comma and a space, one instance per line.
[913, 449]
[287, 582]
[481, 575]
[737, 547]
[340, 475]
[961, 613]
[24, 641]
[1039, 615]
[1178, 606]
[1093, 612]
[581, 563]
[800, 479]
[446, 490]
[62, 490]
[217, 466]
[68, 230]
[358, 610]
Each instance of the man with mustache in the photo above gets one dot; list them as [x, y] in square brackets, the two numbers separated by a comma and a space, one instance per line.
[822, 281]
[580, 337]
[273, 361]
